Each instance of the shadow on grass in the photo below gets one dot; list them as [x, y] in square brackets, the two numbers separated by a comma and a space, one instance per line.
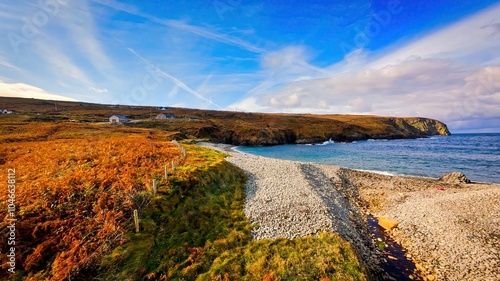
[195, 229]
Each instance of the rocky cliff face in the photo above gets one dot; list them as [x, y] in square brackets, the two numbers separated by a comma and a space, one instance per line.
[371, 128]
[428, 127]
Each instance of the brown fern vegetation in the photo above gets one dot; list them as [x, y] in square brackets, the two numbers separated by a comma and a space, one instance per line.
[74, 197]
[77, 185]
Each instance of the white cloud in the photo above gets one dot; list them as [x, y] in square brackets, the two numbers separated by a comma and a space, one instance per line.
[248, 104]
[474, 40]
[99, 90]
[21, 90]
[452, 74]
[359, 105]
[288, 57]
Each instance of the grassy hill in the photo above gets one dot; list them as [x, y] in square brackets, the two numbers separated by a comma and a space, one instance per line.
[78, 184]
[237, 128]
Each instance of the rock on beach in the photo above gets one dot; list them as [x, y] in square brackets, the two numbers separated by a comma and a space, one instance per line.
[454, 177]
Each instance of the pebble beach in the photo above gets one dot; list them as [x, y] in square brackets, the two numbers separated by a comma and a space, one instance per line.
[450, 231]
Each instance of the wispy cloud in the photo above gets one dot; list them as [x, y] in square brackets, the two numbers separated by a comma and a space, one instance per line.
[180, 25]
[5, 63]
[99, 90]
[285, 66]
[203, 32]
[177, 82]
[21, 90]
[60, 63]
[55, 45]
[474, 40]
[79, 22]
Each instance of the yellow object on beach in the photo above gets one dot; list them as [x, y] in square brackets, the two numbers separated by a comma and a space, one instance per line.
[387, 223]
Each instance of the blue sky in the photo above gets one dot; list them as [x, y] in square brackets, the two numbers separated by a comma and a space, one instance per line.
[437, 59]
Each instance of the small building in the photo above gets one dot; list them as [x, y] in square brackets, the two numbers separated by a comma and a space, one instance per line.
[115, 119]
[163, 116]
[162, 108]
[5, 111]
[193, 118]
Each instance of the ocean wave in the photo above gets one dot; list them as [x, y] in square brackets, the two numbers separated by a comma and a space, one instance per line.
[327, 142]
[385, 173]
[235, 149]
[323, 143]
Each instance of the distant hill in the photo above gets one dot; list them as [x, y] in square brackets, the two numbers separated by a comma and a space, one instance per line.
[238, 128]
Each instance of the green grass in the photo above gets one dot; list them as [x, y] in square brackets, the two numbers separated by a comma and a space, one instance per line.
[195, 229]
[132, 254]
[325, 256]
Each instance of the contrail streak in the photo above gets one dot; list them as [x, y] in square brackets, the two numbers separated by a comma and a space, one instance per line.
[175, 80]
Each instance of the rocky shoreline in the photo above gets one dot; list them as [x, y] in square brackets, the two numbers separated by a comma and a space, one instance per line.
[450, 230]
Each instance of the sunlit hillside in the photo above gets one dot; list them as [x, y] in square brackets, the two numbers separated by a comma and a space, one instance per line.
[77, 186]
[240, 128]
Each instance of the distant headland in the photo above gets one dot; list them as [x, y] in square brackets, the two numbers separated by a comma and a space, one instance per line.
[237, 128]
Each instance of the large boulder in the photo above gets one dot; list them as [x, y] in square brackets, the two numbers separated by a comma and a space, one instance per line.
[454, 178]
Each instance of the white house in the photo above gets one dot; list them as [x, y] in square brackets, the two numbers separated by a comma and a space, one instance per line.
[115, 119]
[163, 116]
[160, 116]
[5, 111]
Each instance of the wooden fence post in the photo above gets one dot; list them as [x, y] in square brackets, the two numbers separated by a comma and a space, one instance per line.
[154, 187]
[136, 220]
[177, 144]
[182, 149]
[166, 172]
[173, 166]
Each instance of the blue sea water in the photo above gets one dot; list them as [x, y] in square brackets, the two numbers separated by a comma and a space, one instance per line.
[476, 155]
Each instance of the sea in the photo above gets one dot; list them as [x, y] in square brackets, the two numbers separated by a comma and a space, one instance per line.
[475, 155]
